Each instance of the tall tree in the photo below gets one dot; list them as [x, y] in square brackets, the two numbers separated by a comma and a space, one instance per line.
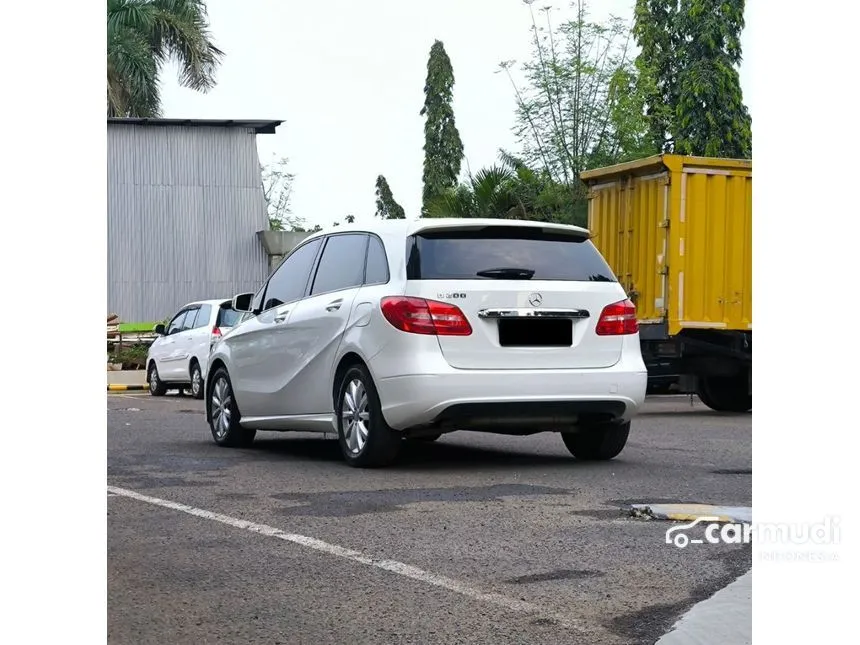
[386, 206]
[443, 149]
[277, 191]
[142, 36]
[690, 55]
[579, 105]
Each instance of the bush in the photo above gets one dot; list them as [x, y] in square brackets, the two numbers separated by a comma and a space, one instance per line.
[132, 357]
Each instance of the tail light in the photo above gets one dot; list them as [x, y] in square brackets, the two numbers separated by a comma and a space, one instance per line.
[618, 319]
[214, 336]
[428, 317]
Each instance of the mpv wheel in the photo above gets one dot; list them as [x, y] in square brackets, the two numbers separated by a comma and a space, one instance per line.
[365, 439]
[156, 386]
[224, 415]
[599, 443]
[196, 381]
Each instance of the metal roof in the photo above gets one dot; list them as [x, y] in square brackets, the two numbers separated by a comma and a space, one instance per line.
[661, 162]
[258, 126]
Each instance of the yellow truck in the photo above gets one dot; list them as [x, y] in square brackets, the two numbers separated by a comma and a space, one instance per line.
[677, 232]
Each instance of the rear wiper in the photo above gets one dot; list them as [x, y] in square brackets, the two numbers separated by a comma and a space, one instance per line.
[507, 273]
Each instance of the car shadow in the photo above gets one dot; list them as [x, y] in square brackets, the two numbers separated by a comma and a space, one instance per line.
[415, 455]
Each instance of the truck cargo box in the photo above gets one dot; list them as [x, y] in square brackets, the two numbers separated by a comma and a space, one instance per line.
[677, 231]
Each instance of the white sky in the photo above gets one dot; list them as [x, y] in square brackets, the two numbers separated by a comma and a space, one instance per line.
[347, 78]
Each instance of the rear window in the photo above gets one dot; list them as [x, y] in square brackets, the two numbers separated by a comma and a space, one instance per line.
[228, 317]
[463, 255]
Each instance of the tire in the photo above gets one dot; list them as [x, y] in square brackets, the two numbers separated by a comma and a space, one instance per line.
[600, 443]
[224, 414]
[725, 394]
[157, 387]
[196, 388]
[366, 441]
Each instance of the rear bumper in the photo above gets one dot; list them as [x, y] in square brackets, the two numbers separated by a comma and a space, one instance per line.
[517, 401]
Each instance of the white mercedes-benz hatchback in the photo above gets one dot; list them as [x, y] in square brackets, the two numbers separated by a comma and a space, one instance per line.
[408, 329]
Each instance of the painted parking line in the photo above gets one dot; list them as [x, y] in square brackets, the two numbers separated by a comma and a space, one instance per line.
[392, 566]
[146, 395]
[725, 617]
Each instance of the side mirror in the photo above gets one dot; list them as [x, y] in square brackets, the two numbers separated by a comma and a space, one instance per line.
[159, 329]
[243, 302]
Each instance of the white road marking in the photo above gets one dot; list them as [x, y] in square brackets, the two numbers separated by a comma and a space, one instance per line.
[147, 395]
[725, 617]
[392, 566]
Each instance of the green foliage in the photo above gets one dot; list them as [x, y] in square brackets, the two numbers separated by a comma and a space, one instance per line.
[512, 190]
[691, 50]
[277, 191]
[131, 356]
[658, 40]
[142, 36]
[581, 105]
[386, 206]
[349, 219]
[443, 149]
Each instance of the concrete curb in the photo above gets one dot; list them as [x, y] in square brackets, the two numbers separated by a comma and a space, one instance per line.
[127, 388]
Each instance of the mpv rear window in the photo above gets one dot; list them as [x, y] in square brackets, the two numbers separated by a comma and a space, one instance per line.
[228, 317]
[465, 255]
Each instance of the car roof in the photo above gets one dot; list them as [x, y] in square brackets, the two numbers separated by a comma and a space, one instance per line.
[215, 303]
[407, 227]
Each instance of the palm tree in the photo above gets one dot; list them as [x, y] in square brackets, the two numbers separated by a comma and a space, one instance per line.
[142, 35]
[512, 190]
[491, 192]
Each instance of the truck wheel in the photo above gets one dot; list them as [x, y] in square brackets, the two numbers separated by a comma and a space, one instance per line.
[725, 393]
[600, 443]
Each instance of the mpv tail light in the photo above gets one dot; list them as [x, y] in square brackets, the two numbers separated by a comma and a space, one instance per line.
[214, 336]
[618, 319]
[428, 317]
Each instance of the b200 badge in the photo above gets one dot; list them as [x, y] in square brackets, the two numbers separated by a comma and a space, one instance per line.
[443, 296]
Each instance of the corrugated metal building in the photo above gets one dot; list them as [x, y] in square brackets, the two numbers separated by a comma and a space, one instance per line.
[185, 202]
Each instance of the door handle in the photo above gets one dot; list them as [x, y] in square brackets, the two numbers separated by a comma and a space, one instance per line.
[334, 306]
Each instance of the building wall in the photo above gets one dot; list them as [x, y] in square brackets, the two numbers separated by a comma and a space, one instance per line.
[184, 206]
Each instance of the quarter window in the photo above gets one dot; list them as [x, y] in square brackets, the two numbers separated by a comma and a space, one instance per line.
[377, 262]
[342, 263]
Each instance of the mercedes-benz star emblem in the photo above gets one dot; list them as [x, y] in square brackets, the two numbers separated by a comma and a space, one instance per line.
[535, 299]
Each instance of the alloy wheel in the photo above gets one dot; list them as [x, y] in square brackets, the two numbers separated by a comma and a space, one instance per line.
[220, 407]
[355, 415]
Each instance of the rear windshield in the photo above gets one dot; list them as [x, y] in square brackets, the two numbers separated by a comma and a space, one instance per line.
[228, 317]
[463, 255]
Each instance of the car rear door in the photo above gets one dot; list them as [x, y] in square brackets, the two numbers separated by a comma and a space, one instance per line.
[533, 295]
[165, 353]
[317, 324]
[199, 337]
[183, 347]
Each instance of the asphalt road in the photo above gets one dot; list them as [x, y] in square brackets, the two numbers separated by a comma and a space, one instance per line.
[472, 539]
